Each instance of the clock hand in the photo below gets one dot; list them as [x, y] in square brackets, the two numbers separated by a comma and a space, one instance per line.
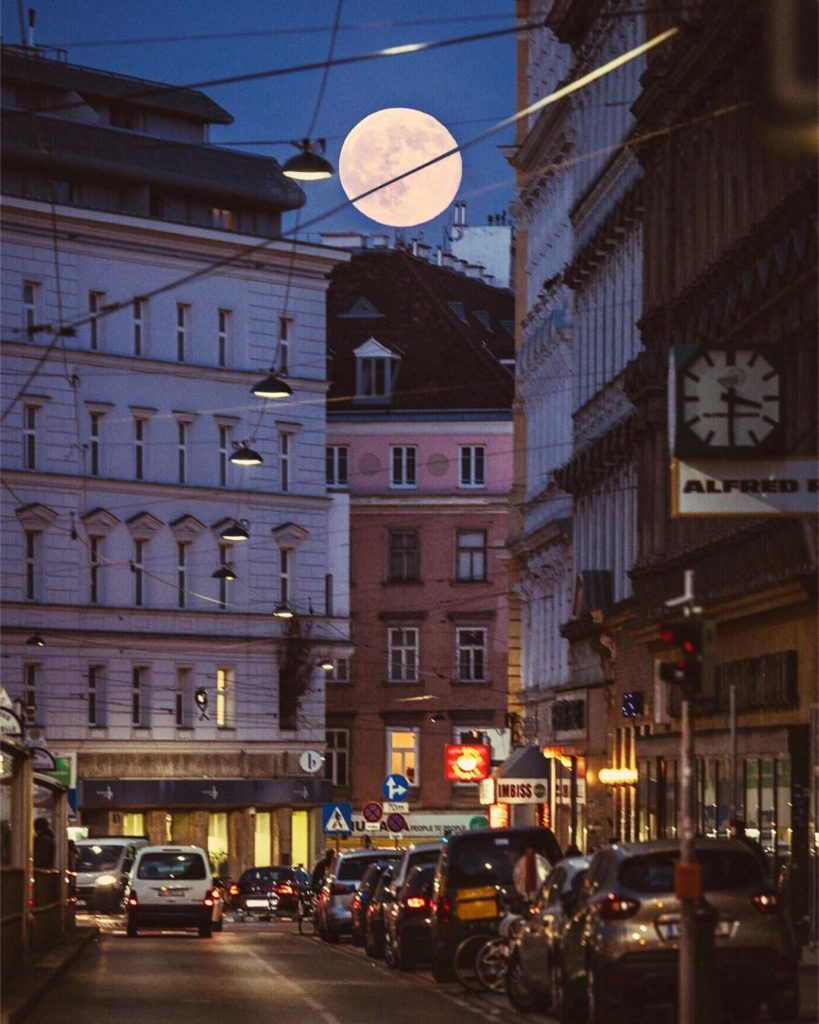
[729, 396]
[739, 400]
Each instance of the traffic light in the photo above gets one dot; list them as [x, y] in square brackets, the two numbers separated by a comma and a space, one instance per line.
[685, 639]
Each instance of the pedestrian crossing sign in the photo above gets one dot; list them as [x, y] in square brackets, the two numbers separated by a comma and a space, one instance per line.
[337, 818]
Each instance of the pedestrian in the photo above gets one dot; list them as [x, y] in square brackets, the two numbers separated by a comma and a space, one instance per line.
[45, 846]
[323, 868]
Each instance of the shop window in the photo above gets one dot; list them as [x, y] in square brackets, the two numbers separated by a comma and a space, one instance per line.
[262, 839]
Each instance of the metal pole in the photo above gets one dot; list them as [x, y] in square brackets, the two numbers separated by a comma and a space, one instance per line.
[688, 906]
[732, 726]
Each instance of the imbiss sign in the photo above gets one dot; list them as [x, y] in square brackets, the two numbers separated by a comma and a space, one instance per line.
[521, 791]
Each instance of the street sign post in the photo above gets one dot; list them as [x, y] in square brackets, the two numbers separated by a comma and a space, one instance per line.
[395, 787]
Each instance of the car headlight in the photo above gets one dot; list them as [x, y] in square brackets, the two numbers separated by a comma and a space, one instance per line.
[106, 880]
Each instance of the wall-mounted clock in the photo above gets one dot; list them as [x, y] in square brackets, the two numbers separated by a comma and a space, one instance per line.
[729, 401]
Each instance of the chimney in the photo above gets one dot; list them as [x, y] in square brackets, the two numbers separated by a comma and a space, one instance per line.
[421, 249]
[474, 270]
[446, 259]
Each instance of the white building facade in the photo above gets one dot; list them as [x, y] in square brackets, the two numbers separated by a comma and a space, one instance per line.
[139, 309]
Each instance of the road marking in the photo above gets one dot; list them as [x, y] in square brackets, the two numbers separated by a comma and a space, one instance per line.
[297, 990]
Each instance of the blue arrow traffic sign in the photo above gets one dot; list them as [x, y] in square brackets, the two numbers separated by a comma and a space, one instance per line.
[337, 818]
[394, 787]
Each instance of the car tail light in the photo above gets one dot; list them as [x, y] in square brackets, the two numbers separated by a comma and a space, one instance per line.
[132, 900]
[285, 889]
[210, 897]
[416, 902]
[767, 902]
[339, 889]
[234, 889]
[442, 909]
[617, 908]
[357, 900]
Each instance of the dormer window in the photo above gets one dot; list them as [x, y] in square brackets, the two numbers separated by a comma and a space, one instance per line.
[376, 368]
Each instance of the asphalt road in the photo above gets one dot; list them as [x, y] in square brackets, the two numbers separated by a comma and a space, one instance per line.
[258, 972]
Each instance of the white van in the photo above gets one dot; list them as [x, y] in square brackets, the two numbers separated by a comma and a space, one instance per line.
[171, 887]
[103, 865]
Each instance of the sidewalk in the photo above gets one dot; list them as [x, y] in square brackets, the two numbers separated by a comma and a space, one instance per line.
[20, 995]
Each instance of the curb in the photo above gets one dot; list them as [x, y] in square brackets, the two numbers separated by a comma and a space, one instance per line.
[22, 1001]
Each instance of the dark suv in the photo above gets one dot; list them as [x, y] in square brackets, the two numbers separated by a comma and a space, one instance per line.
[475, 882]
[266, 891]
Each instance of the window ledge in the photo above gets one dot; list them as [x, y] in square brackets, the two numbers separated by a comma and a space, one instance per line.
[470, 582]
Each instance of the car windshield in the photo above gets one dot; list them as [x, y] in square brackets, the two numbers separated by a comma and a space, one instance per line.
[490, 860]
[352, 869]
[98, 858]
[172, 866]
[420, 880]
[721, 870]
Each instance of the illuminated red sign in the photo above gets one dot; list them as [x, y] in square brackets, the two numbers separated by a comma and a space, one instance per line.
[466, 762]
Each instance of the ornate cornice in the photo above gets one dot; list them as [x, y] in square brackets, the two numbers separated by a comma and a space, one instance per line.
[596, 461]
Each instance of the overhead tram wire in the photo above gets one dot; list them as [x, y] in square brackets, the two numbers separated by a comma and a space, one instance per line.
[538, 105]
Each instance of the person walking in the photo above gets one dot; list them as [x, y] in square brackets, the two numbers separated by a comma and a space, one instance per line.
[323, 868]
[45, 846]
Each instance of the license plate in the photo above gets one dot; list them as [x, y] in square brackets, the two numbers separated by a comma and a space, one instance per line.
[82, 903]
[671, 929]
[257, 903]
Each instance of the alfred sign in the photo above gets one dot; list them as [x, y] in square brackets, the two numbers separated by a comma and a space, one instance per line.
[521, 791]
[758, 487]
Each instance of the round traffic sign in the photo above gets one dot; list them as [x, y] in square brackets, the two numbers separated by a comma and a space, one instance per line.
[372, 811]
[396, 823]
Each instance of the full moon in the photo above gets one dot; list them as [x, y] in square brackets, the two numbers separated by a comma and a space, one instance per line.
[388, 143]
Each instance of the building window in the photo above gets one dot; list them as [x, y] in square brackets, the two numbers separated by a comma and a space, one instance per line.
[224, 560]
[402, 754]
[470, 655]
[402, 461]
[373, 376]
[96, 301]
[96, 695]
[32, 292]
[181, 575]
[29, 694]
[285, 460]
[402, 654]
[30, 436]
[181, 451]
[183, 699]
[225, 686]
[94, 568]
[472, 464]
[138, 325]
[336, 759]
[336, 465]
[139, 696]
[223, 318]
[404, 556]
[285, 326]
[139, 449]
[224, 455]
[32, 543]
[471, 555]
[340, 672]
[223, 218]
[136, 566]
[328, 593]
[95, 420]
[284, 575]
[182, 318]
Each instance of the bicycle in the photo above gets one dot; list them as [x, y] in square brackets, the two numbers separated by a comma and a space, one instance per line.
[482, 960]
[307, 913]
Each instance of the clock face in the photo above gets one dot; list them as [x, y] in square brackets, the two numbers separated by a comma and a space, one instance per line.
[729, 400]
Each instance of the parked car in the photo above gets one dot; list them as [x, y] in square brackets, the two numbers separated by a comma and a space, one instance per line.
[621, 947]
[383, 894]
[171, 887]
[361, 900]
[475, 883]
[264, 892]
[102, 867]
[532, 976]
[224, 886]
[334, 916]
[416, 855]
[407, 920]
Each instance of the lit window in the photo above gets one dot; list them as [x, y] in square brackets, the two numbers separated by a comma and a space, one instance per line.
[470, 655]
[471, 555]
[404, 556]
[402, 654]
[223, 218]
[472, 466]
[336, 759]
[402, 754]
[225, 683]
[402, 461]
[336, 465]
